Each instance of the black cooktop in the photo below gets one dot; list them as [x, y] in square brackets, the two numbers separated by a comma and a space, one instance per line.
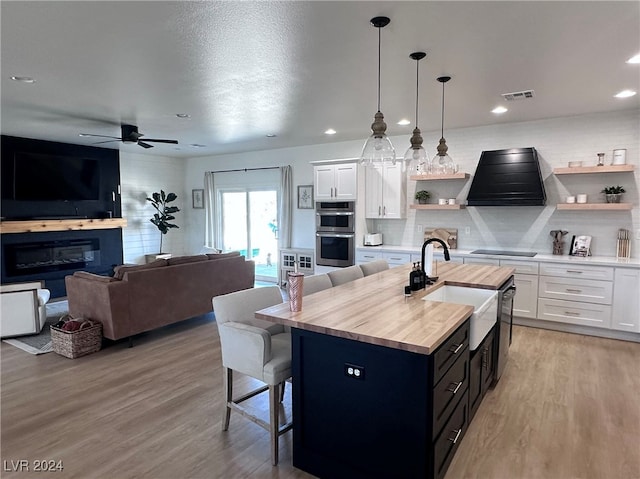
[504, 253]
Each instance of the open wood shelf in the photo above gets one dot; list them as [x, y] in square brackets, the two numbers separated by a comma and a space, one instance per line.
[595, 206]
[453, 176]
[39, 226]
[594, 169]
[436, 207]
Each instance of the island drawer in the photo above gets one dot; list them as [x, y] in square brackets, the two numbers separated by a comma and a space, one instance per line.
[447, 393]
[454, 347]
[447, 444]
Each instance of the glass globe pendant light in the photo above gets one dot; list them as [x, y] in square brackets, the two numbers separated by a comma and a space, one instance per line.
[378, 148]
[442, 162]
[415, 158]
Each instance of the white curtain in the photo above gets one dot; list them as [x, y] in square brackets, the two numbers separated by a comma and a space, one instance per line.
[210, 210]
[285, 213]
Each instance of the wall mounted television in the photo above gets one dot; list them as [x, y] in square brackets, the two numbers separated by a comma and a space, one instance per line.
[44, 177]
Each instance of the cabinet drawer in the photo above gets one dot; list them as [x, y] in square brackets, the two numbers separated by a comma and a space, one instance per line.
[573, 312]
[454, 347]
[493, 262]
[585, 290]
[577, 271]
[366, 256]
[397, 258]
[448, 392]
[521, 267]
[452, 433]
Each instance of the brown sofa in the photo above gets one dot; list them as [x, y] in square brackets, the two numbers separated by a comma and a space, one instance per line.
[144, 297]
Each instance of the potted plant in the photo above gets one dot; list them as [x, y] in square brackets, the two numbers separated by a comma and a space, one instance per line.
[164, 212]
[613, 193]
[422, 196]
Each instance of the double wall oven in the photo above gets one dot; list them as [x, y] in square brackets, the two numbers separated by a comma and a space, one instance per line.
[335, 233]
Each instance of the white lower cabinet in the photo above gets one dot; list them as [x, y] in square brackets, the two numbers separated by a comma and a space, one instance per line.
[392, 257]
[626, 300]
[574, 312]
[566, 297]
[525, 302]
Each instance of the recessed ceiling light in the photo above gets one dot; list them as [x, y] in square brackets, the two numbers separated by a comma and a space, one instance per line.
[271, 135]
[499, 109]
[183, 115]
[625, 94]
[404, 122]
[330, 131]
[634, 59]
[23, 79]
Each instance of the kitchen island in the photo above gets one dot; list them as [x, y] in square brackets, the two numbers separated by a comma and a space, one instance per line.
[380, 381]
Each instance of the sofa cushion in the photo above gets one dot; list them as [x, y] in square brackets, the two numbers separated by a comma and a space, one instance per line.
[186, 259]
[119, 271]
[94, 277]
[223, 255]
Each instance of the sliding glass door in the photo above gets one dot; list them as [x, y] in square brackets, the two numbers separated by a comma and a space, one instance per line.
[250, 225]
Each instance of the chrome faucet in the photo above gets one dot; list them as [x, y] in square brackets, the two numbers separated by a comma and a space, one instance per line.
[429, 280]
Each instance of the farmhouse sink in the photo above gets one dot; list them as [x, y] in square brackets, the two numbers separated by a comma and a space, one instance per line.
[485, 308]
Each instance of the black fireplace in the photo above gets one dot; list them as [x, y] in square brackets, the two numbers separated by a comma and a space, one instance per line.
[50, 256]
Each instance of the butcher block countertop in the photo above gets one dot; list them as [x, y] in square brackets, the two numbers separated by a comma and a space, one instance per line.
[374, 309]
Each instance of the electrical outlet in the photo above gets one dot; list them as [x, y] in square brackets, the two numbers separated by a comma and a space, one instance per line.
[418, 228]
[353, 371]
[467, 230]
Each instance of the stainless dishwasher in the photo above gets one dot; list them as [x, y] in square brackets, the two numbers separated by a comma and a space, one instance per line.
[504, 327]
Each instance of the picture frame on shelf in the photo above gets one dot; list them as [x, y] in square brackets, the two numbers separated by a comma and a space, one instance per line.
[580, 246]
[197, 198]
[305, 197]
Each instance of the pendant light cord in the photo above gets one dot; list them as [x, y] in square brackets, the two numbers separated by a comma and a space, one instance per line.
[442, 116]
[417, 93]
[379, 32]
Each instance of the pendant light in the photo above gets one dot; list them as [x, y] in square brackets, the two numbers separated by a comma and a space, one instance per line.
[378, 148]
[416, 157]
[442, 162]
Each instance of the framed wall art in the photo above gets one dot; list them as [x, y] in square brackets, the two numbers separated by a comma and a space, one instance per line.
[197, 197]
[305, 197]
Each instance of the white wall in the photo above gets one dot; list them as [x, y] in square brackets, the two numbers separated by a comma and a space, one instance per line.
[557, 141]
[140, 176]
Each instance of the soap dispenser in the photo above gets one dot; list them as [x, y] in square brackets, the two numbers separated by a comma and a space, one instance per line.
[414, 278]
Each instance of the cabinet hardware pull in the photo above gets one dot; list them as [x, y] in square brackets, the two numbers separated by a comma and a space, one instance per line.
[574, 271]
[573, 290]
[455, 439]
[384, 210]
[378, 210]
[571, 313]
[458, 348]
[454, 390]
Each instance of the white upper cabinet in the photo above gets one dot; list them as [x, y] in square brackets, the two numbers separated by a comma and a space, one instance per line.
[335, 182]
[385, 192]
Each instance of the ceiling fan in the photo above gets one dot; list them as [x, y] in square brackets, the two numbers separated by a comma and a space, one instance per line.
[130, 134]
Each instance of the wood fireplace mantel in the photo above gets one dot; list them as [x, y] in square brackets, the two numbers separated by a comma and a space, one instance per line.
[38, 226]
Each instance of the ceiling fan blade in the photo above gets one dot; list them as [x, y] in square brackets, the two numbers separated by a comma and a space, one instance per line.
[99, 136]
[144, 145]
[173, 142]
[108, 141]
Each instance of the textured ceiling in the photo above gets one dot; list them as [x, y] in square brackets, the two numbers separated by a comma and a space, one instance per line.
[243, 70]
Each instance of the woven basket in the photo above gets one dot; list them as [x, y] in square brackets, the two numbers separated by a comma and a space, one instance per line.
[73, 344]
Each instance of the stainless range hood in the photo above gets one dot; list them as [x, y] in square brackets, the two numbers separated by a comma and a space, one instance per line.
[507, 178]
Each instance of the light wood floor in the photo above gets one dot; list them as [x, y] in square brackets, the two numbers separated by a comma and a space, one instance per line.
[566, 407]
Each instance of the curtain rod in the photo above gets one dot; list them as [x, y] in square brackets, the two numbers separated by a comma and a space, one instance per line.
[248, 169]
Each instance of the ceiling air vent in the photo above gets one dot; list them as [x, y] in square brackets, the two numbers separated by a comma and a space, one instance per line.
[518, 95]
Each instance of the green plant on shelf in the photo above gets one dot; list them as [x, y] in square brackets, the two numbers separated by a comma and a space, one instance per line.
[613, 190]
[422, 196]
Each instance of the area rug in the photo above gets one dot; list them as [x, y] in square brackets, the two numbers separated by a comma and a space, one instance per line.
[41, 343]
